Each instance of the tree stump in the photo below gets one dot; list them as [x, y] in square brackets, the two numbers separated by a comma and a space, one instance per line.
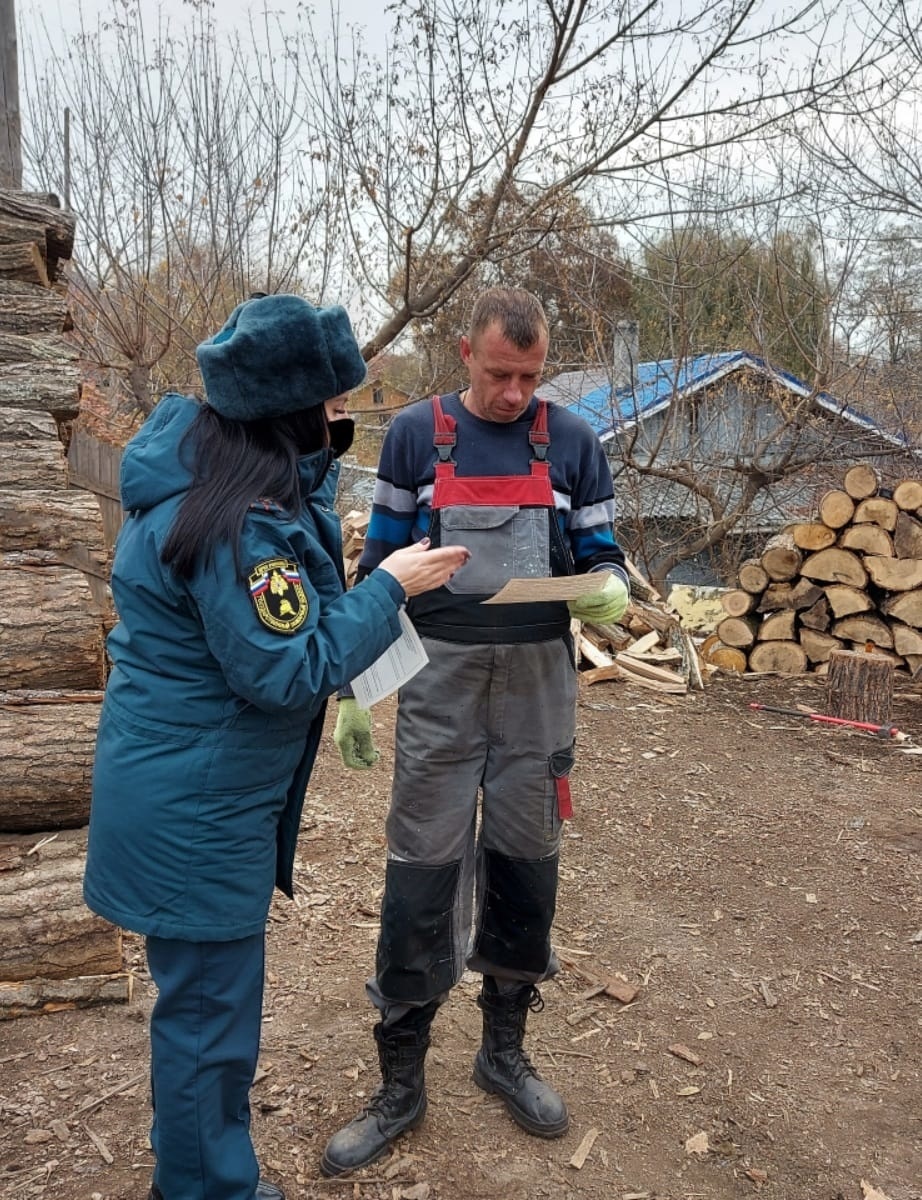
[859, 687]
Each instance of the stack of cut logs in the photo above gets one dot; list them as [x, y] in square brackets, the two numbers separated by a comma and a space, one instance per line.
[850, 580]
[53, 952]
[649, 646]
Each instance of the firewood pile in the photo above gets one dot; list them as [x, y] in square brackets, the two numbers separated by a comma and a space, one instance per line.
[850, 580]
[54, 953]
[649, 646]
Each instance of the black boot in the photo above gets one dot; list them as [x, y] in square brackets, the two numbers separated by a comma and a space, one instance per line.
[503, 1067]
[398, 1104]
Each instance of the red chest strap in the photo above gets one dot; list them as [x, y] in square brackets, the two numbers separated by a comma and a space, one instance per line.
[445, 438]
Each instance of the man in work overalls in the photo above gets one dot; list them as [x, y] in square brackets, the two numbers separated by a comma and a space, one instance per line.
[526, 487]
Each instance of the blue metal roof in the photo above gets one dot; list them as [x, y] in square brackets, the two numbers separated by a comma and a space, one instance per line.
[660, 382]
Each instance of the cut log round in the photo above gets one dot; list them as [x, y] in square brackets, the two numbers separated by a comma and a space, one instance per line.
[737, 631]
[818, 616]
[906, 607]
[801, 594]
[813, 535]
[863, 630]
[818, 646]
[727, 658]
[781, 558]
[46, 930]
[861, 481]
[908, 494]
[47, 764]
[836, 509]
[737, 603]
[835, 566]
[907, 641]
[867, 539]
[877, 511]
[51, 635]
[907, 537]
[845, 601]
[778, 626]
[895, 574]
[859, 687]
[753, 576]
[781, 658]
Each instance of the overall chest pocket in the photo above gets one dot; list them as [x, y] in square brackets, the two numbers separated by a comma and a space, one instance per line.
[506, 542]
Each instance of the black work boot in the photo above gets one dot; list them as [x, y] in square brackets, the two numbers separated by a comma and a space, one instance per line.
[398, 1104]
[503, 1067]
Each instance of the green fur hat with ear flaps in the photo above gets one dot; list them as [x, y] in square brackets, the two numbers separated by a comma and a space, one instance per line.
[277, 355]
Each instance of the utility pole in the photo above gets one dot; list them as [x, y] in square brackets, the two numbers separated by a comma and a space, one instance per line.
[10, 128]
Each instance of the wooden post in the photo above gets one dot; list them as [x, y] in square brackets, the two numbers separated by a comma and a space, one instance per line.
[10, 129]
[859, 686]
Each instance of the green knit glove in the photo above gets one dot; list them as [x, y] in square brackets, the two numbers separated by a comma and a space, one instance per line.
[353, 735]
[604, 607]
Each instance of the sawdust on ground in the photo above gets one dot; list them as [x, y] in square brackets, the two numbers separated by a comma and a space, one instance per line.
[756, 877]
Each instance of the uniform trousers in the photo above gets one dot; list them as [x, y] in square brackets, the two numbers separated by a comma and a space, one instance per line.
[204, 1032]
[489, 721]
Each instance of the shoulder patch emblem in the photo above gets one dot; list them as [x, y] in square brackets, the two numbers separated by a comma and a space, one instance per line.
[278, 595]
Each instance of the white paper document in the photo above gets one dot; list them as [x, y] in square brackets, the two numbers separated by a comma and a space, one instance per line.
[560, 587]
[399, 662]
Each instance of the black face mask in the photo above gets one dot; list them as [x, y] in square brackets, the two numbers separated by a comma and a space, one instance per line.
[342, 433]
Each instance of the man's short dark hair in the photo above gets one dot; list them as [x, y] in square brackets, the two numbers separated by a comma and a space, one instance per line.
[518, 314]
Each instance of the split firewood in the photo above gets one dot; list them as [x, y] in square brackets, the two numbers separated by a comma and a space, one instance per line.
[879, 510]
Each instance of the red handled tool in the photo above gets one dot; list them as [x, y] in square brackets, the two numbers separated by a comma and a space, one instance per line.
[884, 731]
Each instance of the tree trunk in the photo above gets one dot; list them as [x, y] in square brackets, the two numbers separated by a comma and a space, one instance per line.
[781, 658]
[51, 635]
[33, 997]
[59, 225]
[908, 495]
[31, 453]
[813, 535]
[781, 558]
[46, 931]
[836, 509]
[859, 687]
[47, 764]
[778, 626]
[62, 521]
[736, 603]
[753, 577]
[53, 388]
[737, 631]
[25, 309]
[861, 481]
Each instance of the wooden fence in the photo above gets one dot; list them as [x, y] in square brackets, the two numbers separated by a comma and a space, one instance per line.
[94, 465]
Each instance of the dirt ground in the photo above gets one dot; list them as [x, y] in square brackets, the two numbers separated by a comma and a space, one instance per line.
[756, 877]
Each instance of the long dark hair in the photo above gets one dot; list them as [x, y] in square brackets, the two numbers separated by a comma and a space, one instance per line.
[234, 463]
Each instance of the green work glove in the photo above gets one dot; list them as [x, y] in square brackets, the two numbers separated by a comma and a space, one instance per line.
[353, 735]
[604, 607]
